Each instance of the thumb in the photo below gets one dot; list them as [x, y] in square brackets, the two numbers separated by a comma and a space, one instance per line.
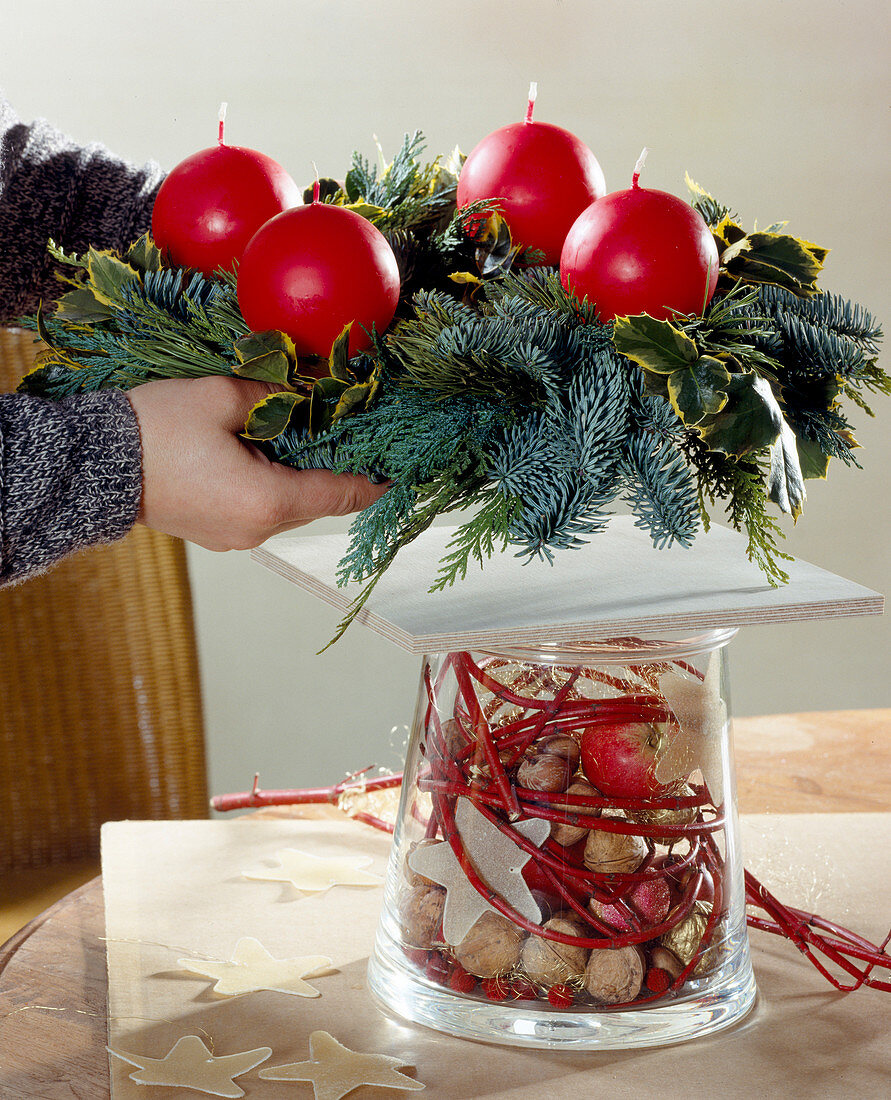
[305, 495]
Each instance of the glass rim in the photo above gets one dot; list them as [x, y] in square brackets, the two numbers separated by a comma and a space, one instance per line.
[617, 649]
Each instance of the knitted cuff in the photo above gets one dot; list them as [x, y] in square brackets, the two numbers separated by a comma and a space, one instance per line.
[70, 477]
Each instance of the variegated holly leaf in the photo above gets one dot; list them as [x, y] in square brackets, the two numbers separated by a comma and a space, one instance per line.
[108, 274]
[339, 359]
[785, 481]
[708, 206]
[354, 399]
[271, 416]
[82, 304]
[727, 232]
[144, 254]
[271, 367]
[656, 346]
[775, 258]
[326, 393]
[254, 344]
[367, 210]
[698, 390]
[814, 461]
[750, 420]
[270, 356]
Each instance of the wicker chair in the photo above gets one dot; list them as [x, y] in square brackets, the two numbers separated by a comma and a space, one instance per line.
[100, 709]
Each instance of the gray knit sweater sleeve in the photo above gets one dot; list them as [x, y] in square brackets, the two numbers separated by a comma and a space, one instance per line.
[69, 471]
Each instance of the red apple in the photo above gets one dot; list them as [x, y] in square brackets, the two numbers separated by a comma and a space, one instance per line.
[619, 758]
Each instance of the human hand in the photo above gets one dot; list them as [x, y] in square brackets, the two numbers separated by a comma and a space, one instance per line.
[202, 483]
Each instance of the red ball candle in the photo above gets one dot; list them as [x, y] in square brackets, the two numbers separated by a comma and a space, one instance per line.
[211, 204]
[542, 177]
[641, 251]
[311, 271]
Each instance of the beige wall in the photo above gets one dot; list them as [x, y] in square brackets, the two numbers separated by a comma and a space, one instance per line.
[780, 107]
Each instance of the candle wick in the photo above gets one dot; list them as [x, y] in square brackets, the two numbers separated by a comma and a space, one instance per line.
[223, 108]
[638, 168]
[533, 95]
[316, 183]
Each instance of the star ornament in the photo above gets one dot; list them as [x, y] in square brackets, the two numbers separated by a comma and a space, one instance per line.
[702, 715]
[190, 1065]
[335, 1070]
[252, 968]
[498, 861]
[315, 874]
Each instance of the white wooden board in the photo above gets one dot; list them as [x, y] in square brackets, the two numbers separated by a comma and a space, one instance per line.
[617, 584]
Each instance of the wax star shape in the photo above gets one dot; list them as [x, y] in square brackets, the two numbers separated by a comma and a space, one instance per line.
[701, 714]
[498, 861]
[335, 1070]
[252, 968]
[314, 874]
[190, 1065]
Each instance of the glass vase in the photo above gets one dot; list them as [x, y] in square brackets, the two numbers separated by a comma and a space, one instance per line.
[565, 870]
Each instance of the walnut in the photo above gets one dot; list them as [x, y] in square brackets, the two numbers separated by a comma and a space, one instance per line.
[550, 963]
[683, 940]
[684, 816]
[491, 947]
[420, 915]
[572, 834]
[614, 975]
[617, 852]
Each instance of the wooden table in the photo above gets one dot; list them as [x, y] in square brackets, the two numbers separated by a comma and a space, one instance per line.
[52, 973]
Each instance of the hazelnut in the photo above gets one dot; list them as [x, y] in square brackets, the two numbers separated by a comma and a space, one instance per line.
[614, 975]
[666, 960]
[550, 963]
[614, 852]
[571, 834]
[420, 915]
[491, 947]
[550, 764]
[559, 744]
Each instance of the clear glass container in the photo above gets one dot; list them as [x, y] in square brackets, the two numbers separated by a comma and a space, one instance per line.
[566, 869]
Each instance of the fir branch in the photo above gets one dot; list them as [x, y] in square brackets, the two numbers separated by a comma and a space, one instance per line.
[541, 286]
[659, 487]
[826, 311]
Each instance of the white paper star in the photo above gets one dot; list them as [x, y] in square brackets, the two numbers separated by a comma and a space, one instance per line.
[190, 1065]
[252, 968]
[702, 715]
[313, 874]
[497, 859]
[335, 1070]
